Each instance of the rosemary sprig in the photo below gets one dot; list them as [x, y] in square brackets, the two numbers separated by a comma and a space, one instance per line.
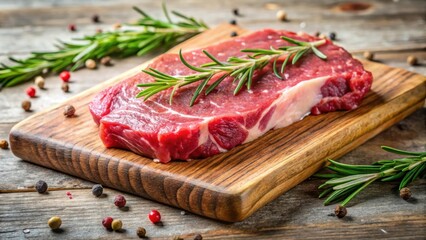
[349, 180]
[242, 69]
[146, 35]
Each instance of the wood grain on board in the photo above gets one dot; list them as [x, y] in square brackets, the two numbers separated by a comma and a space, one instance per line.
[229, 186]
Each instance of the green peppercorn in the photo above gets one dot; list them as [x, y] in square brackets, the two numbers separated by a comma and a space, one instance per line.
[141, 232]
[97, 190]
[54, 222]
[116, 225]
[41, 186]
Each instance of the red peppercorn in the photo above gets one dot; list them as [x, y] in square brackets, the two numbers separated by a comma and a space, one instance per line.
[107, 222]
[31, 92]
[154, 216]
[72, 27]
[120, 201]
[65, 76]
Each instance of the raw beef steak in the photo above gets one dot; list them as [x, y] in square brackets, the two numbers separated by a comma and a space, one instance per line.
[220, 121]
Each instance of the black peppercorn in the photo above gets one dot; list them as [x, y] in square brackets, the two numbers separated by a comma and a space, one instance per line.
[340, 211]
[236, 12]
[95, 18]
[41, 186]
[234, 34]
[233, 22]
[198, 237]
[97, 190]
[332, 36]
[405, 193]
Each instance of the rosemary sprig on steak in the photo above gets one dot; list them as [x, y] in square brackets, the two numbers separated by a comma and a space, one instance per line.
[349, 180]
[242, 69]
[146, 35]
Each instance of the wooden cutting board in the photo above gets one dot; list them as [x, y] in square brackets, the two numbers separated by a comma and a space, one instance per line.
[230, 186]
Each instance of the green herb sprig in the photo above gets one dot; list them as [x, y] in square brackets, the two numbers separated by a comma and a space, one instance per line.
[349, 180]
[242, 69]
[148, 34]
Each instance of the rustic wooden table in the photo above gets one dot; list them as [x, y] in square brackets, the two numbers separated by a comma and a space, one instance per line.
[392, 29]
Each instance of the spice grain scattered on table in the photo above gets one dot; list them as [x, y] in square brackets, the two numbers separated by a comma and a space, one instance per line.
[116, 225]
[4, 144]
[368, 55]
[154, 216]
[405, 193]
[106, 222]
[54, 222]
[69, 110]
[65, 87]
[65, 76]
[282, 15]
[141, 232]
[26, 105]
[41, 186]
[39, 81]
[31, 92]
[97, 190]
[90, 64]
[412, 60]
[120, 201]
[340, 211]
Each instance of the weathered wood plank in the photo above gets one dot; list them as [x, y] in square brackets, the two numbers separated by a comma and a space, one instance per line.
[378, 213]
[382, 19]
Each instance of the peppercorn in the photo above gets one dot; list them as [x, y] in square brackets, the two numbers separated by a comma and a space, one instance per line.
[116, 26]
[120, 201]
[72, 27]
[41, 186]
[65, 87]
[90, 64]
[154, 216]
[97, 190]
[98, 30]
[116, 225]
[106, 222]
[233, 22]
[95, 18]
[316, 34]
[234, 34]
[39, 81]
[282, 15]
[54, 222]
[340, 211]
[31, 92]
[106, 61]
[141, 232]
[69, 110]
[236, 12]
[412, 60]
[177, 238]
[405, 193]
[368, 55]
[198, 237]
[26, 105]
[4, 144]
[65, 76]
[332, 36]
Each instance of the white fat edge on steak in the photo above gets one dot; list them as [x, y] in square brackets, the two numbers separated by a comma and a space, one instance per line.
[292, 105]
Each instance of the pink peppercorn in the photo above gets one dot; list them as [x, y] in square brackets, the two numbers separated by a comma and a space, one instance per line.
[154, 216]
[72, 27]
[31, 92]
[107, 222]
[65, 76]
[120, 201]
